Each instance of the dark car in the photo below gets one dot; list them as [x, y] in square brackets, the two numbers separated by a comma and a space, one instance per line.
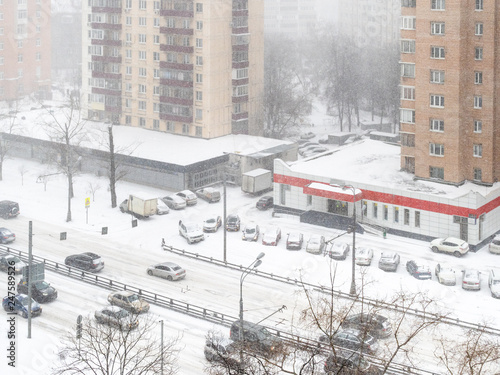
[265, 203]
[418, 271]
[224, 350]
[117, 317]
[19, 305]
[6, 235]
[233, 223]
[257, 337]
[8, 209]
[353, 339]
[374, 324]
[41, 291]
[86, 261]
[349, 362]
[11, 263]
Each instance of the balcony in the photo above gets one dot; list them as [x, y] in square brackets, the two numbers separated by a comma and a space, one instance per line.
[176, 66]
[171, 48]
[176, 31]
[106, 75]
[169, 117]
[106, 42]
[239, 116]
[106, 26]
[107, 59]
[177, 13]
[178, 101]
[175, 83]
[240, 99]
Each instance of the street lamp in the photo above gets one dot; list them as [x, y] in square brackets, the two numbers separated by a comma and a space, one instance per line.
[256, 263]
[352, 292]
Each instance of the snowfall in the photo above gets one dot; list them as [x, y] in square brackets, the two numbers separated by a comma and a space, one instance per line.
[128, 251]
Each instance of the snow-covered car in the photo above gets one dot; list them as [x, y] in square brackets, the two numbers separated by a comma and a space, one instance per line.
[494, 283]
[191, 232]
[251, 233]
[306, 144]
[271, 236]
[167, 270]
[418, 270]
[445, 275]
[450, 245]
[338, 250]
[209, 194]
[117, 317]
[303, 150]
[363, 256]
[375, 325]
[218, 349]
[316, 244]
[353, 339]
[161, 207]
[294, 241]
[6, 235]
[188, 196]
[494, 246]
[389, 261]
[174, 202]
[307, 135]
[11, 262]
[314, 151]
[471, 279]
[129, 301]
[212, 224]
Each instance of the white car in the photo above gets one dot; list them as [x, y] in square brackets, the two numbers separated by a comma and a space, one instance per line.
[191, 232]
[494, 246]
[450, 245]
[339, 250]
[471, 279]
[316, 244]
[363, 256]
[129, 301]
[161, 207]
[188, 196]
[271, 236]
[174, 202]
[167, 270]
[251, 233]
[212, 224]
[445, 275]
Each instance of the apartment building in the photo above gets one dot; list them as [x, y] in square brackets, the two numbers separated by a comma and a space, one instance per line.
[292, 18]
[189, 67]
[449, 88]
[25, 44]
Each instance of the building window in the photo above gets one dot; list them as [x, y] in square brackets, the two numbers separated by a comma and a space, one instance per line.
[142, 105]
[128, 120]
[186, 41]
[156, 90]
[199, 43]
[408, 23]
[437, 28]
[478, 174]
[128, 70]
[478, 151]
[199, 25]
[170, 126]
[142, 38]
[408, 70]
[156, 73]
[185, 128]
[478, 126]
[436, 125]
[437, 76]
[407, 115]
[156, 22]
[407, 140]
[142, 55]
[309, 200]
[408, 92]
[156, 56]
[479, 53]
[479, 4]
[199, 7]
[437, 52]
[142, 72]
[417, 219]
[408, 3]
[437, 101]
[436, 149]
[478, 102]
[375, 207]
[156, 124]
[199, 78]
[407, 216]
[437, 4]
[199, 95]
[407, 46]
[435, 172]
[156, 107]
[142, 121]
[386, 212]
[479, 28]
[128, 103]
[199, 114]
[396, 214]
[142, 21]
[142, 4]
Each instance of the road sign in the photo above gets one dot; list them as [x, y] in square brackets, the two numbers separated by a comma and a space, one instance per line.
[37, 272]
[87, 202]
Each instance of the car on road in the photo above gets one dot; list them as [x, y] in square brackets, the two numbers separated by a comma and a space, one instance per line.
[307, 135]
[316, 244]
[338, 250]
[41, 291]
[251, 232]
[224, 350]
[191, 232]
[265, 203]
[375, 325]
[233, 223]
[212, 224]
[294, 241]
[117, 317]
[347, 362]
[188, 196]
[85, 261]
[445, 275]
[418, 270]
[494, 246]
[167, 270]
[161, 207]
[271, 236]
[209, 194]
[389, 261]
[450, 245]
[471, 279]
[19, 304]
[6, 236]
[174, 202]
[12, 262]
[257, 337]
[353, 339]
[129, 301]
[363, 256]
[9, 209]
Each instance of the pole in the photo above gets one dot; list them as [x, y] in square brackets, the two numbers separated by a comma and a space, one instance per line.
[352, 292]
[225, 216]
[161, 346]
[30, 263]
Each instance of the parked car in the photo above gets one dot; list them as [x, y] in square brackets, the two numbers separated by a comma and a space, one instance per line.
[338, 250]
[233, 223]
[167, 270]
[191, 232]
[418, 270]
[41, 291]
[6, 236]
[161, 207]
[117, 317]
[129, 301]
[471, 279]
[257, 337]
[314, 151]
[188, 196]
[271, 236]
[225, 350]
[306, 149]
[494, 283]
[307, 135]
[265, 203]
[85, 261]
[347, 362]
[19, 304]
[210, 194]
[9, 209]
[445, 275]
[174, 202]
[353, 339]
[324, 139]
[375, 325]
[363, 256]
[294, 241]
[389, 261]
[12, 262]
[450, 245]
[212, 224]
[494, 246]
[251, 233]
[123, 206]
[316, 244]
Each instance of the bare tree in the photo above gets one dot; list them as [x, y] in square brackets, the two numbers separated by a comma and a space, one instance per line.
[8, 126]
[93, 189]
[22, 171]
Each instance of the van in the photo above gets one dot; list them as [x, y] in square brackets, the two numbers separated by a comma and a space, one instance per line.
[9, 209]
[494, 245]
[494, 283]
[209, 194]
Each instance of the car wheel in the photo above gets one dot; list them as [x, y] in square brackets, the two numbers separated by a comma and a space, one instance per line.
[169, 278]
[435, 249]
[150, 273]
[457, 254]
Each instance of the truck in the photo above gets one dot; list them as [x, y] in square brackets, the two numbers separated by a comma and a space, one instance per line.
[257, 181]
[139, 206]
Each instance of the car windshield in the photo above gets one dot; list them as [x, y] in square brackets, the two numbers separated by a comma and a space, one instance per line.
[496, 242]
[176, 268]
[496, 282]
[314, 241]
[250, 230]
[293, 237]
[41, 285]
[471, 275]
[232, 219]
[210, 221]
[24, 301]
[120, 314]
[387, 256]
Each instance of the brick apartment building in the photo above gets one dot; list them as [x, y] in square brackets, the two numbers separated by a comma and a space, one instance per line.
[25, 44]
[449, 88]
[190, 67]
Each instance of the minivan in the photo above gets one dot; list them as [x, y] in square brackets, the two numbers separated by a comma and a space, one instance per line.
[494, 283]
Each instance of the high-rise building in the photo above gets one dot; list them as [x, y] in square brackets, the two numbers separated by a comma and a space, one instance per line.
[25, 44]
[191, 67]
[449, 90]
[292, 18]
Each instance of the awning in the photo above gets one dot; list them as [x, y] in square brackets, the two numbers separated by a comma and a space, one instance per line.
[336, 192]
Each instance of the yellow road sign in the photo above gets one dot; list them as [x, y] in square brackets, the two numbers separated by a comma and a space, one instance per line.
[87, 202]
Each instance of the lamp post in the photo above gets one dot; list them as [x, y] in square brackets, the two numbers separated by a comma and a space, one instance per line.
[256, 263]
[352, 292]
